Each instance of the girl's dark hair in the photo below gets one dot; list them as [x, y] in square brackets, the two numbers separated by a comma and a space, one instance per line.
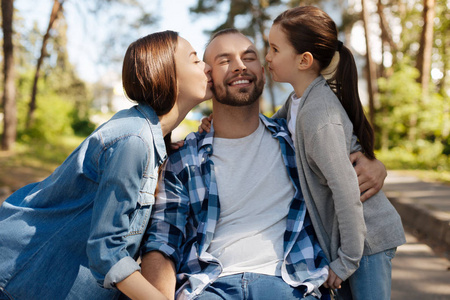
[148, 72]
[309, 29]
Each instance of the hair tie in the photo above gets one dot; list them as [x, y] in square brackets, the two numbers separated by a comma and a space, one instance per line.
[339, 46]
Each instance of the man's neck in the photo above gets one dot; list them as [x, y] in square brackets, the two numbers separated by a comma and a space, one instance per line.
[234, 122]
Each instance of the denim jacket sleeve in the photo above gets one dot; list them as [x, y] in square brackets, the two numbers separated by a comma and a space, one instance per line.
[121, 165]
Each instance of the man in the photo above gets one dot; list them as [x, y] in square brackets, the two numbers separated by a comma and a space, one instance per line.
[258, 242]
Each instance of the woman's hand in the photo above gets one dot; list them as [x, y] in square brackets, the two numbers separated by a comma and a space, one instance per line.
[205, 124]
[137, 287]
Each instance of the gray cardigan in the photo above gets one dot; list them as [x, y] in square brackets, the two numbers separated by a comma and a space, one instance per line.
[346, 228]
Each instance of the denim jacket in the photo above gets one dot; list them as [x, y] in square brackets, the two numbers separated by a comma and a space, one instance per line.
[90, 213]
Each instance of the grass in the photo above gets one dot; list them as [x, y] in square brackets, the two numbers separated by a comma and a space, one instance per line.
[33, 161]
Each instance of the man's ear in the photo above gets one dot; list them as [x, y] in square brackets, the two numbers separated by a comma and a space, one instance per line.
[305, 61]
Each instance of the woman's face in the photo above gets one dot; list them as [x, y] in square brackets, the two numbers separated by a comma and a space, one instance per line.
[193, 75]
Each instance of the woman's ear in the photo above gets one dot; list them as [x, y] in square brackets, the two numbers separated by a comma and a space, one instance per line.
[306, 60]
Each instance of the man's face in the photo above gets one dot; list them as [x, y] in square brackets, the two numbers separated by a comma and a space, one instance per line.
[237, 73]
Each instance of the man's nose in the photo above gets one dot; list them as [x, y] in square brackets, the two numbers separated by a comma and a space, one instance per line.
[239, 66]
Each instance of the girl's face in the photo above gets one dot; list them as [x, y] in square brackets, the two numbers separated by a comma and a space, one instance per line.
[193, 75]
[282, 57]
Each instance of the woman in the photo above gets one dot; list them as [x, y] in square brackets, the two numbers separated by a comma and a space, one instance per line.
[80, 229]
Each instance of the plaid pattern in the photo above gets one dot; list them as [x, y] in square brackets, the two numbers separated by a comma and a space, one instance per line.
[187, 210]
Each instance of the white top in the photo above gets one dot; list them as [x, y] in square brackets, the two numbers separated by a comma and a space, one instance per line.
[295, 102]
[255, 192]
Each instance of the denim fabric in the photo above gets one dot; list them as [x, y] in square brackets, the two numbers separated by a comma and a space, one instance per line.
[372, 280]
[81, 228]
[252, 286]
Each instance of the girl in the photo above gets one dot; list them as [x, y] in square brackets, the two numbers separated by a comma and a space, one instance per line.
[80, 229]
[327, 123]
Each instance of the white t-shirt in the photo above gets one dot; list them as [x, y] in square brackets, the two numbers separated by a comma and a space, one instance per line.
[294, 111]
[255, 192]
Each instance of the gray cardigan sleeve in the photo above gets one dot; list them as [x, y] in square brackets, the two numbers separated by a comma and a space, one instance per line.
[328, 154]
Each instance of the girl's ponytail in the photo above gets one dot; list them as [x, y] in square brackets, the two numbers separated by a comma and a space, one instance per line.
[345, 84]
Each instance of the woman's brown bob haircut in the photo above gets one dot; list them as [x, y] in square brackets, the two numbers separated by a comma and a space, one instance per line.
[149, 73]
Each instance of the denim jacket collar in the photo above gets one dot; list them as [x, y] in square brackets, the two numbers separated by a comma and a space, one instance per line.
[155, 127]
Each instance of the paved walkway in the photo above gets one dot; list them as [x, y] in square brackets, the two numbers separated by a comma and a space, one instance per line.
[421, 272]
[423, 206]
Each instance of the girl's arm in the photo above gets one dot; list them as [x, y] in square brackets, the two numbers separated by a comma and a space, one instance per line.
[328, 156]
[137, 287]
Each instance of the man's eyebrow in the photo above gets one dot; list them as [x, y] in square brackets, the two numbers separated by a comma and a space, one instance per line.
[226, 54]
[250, 51]
[220, 55]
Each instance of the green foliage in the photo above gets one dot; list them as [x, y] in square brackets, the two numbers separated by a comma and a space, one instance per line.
[81, 126]
[52, 120]
[412, 126]
[399, 98]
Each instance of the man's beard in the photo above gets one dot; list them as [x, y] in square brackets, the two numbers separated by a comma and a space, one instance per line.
[242, 97]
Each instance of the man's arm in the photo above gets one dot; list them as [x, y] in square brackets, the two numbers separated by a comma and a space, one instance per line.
[371, 174]
[160, 272]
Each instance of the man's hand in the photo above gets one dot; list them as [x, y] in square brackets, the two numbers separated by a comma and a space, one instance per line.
[333, 281]
[371, 174]
[205, 124]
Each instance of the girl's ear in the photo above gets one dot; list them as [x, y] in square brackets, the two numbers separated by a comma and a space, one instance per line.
[306, 60]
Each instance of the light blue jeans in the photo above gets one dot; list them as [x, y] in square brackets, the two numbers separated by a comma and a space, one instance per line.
[251, 286]
[372, 280]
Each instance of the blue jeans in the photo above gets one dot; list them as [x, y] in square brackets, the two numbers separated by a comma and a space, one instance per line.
[252, 286]
[372, 280]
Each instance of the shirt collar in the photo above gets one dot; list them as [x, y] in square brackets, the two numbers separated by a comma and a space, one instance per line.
[155, 127]
[208, 138]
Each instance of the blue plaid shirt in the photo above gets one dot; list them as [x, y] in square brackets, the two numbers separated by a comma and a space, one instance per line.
[187, 210]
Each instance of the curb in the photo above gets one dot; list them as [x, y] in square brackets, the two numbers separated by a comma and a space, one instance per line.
[431, 226]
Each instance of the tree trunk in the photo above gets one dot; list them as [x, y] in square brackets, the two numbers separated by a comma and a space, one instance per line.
[386, 33]
[371, 67]
[426, 46]
[9, 91]
[57, 7]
